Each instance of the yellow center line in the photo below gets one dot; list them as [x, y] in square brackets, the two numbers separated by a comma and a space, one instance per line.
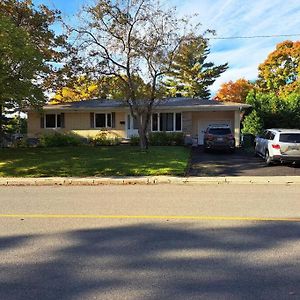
[171, 217]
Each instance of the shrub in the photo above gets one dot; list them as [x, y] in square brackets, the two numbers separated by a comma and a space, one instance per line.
[104, 138]
[60, 139]
[166, 138]
[134, 140]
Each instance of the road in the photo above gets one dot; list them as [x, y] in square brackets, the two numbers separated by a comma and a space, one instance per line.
[150, 242]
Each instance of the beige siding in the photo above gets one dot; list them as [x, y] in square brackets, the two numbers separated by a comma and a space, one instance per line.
[75, 122]
[33, 124]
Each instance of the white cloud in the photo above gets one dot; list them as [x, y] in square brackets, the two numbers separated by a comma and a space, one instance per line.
[244, 18]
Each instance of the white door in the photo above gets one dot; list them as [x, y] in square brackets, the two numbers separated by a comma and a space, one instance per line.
[131, 125]
[202, 126]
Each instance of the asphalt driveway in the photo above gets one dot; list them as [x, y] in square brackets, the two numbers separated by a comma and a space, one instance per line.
[241, 163]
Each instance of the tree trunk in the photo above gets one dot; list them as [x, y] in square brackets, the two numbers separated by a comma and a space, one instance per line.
[142, 129]
[1, 126]
[143, 141]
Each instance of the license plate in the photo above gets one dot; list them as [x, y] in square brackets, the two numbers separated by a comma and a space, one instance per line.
[294, 148]
[219, 139]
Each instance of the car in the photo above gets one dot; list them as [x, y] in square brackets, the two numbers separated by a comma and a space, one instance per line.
[219, 137]
[278, 145]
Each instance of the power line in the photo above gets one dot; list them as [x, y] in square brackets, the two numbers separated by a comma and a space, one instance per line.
[253, 36]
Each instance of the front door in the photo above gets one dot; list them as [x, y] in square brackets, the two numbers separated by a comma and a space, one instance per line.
[132, 127]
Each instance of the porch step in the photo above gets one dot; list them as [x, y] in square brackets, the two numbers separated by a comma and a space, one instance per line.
[125, 142]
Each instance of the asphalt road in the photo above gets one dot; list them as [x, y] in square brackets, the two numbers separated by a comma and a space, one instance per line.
[150, 242]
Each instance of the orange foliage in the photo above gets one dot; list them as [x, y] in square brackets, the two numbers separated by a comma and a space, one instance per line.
[234, 91]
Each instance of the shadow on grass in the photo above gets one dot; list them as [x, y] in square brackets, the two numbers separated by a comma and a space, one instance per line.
[89, 161]
[161, 262]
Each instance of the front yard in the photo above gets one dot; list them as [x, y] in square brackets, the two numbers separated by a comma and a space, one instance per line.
[93, 161]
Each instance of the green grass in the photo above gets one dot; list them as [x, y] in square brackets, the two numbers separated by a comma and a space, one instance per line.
[90, 161]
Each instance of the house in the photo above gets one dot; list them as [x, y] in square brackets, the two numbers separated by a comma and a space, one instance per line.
[85, 118]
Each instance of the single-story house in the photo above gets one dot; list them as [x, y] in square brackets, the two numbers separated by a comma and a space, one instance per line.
[85, 118]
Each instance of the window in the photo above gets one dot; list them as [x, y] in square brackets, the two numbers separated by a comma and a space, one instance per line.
[103, 120]
[166, 122]
[52, 121]
[220, 131]
[155, 122]
[289, 138]
[178, 126]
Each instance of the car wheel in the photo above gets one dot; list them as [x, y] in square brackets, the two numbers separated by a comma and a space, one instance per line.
[268, 159]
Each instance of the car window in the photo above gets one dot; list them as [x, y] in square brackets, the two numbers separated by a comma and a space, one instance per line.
[267, 135]
[271, 136]
[289, 138]
[220, 131]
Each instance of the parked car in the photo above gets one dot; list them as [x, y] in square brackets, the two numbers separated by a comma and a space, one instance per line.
[219, 137]
[279, 145]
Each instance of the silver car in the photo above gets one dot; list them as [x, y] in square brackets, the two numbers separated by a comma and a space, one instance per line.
[279, 145]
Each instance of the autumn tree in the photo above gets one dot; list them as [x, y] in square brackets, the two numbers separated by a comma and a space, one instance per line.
[135, 41]
[29, 49]
[191, 74]
[234, 91]
[280, 72]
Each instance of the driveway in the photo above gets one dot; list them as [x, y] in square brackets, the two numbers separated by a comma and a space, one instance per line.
[241, 163]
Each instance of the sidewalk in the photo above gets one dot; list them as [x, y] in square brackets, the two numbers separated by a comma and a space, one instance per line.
[92, 181]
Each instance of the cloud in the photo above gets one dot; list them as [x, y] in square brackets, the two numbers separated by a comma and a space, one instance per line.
[244, 18]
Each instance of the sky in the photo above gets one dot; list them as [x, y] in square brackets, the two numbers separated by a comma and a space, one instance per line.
[230, 18]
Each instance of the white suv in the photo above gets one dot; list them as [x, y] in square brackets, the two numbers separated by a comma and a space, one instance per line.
[279, 145]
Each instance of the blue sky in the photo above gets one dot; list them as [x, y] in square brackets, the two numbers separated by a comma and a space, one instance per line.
[230, 18]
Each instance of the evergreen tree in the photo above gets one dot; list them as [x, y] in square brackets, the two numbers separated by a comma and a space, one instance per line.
[191, 75]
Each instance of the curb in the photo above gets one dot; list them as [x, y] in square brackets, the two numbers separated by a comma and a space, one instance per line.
[154, 180]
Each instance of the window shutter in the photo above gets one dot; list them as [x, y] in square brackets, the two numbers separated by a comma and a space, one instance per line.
[113, 120]
[62, 120]
[92, 120]
[42, 121]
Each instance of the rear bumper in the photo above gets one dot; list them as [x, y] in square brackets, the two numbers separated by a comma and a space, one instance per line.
[219, 146]
[286, 158]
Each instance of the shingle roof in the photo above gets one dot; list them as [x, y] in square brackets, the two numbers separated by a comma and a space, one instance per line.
[168, 102]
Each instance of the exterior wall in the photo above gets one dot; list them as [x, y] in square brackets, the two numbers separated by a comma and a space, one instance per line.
[237, 127]
[77, 122]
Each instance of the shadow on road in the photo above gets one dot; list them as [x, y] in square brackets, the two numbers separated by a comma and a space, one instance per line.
[253, 261]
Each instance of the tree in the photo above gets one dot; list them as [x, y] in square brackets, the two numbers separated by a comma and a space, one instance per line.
[30, 53]
[234, 91]
[19, 60]
[190, 74]
[271, 111]
[252, 124]
[280, 72]
[134, 41]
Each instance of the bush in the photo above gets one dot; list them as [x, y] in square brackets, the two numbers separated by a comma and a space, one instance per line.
[134, 140]
[60, 139]
[166, 138]
[105, 138]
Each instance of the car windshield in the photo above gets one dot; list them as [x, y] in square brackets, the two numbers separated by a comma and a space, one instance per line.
[289, 137]
[220, 131]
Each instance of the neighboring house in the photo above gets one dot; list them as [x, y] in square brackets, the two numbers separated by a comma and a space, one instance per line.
[86, 118]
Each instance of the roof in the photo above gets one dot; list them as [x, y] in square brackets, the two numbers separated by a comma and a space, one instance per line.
[285, 130]
[168, 103]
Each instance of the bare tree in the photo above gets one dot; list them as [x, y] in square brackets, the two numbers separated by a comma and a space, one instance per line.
[135, 41]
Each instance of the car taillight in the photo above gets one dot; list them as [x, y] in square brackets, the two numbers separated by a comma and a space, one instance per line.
[276, 146]
[230, 136]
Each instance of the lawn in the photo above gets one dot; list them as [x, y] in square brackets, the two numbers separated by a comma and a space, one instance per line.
[92, 161]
